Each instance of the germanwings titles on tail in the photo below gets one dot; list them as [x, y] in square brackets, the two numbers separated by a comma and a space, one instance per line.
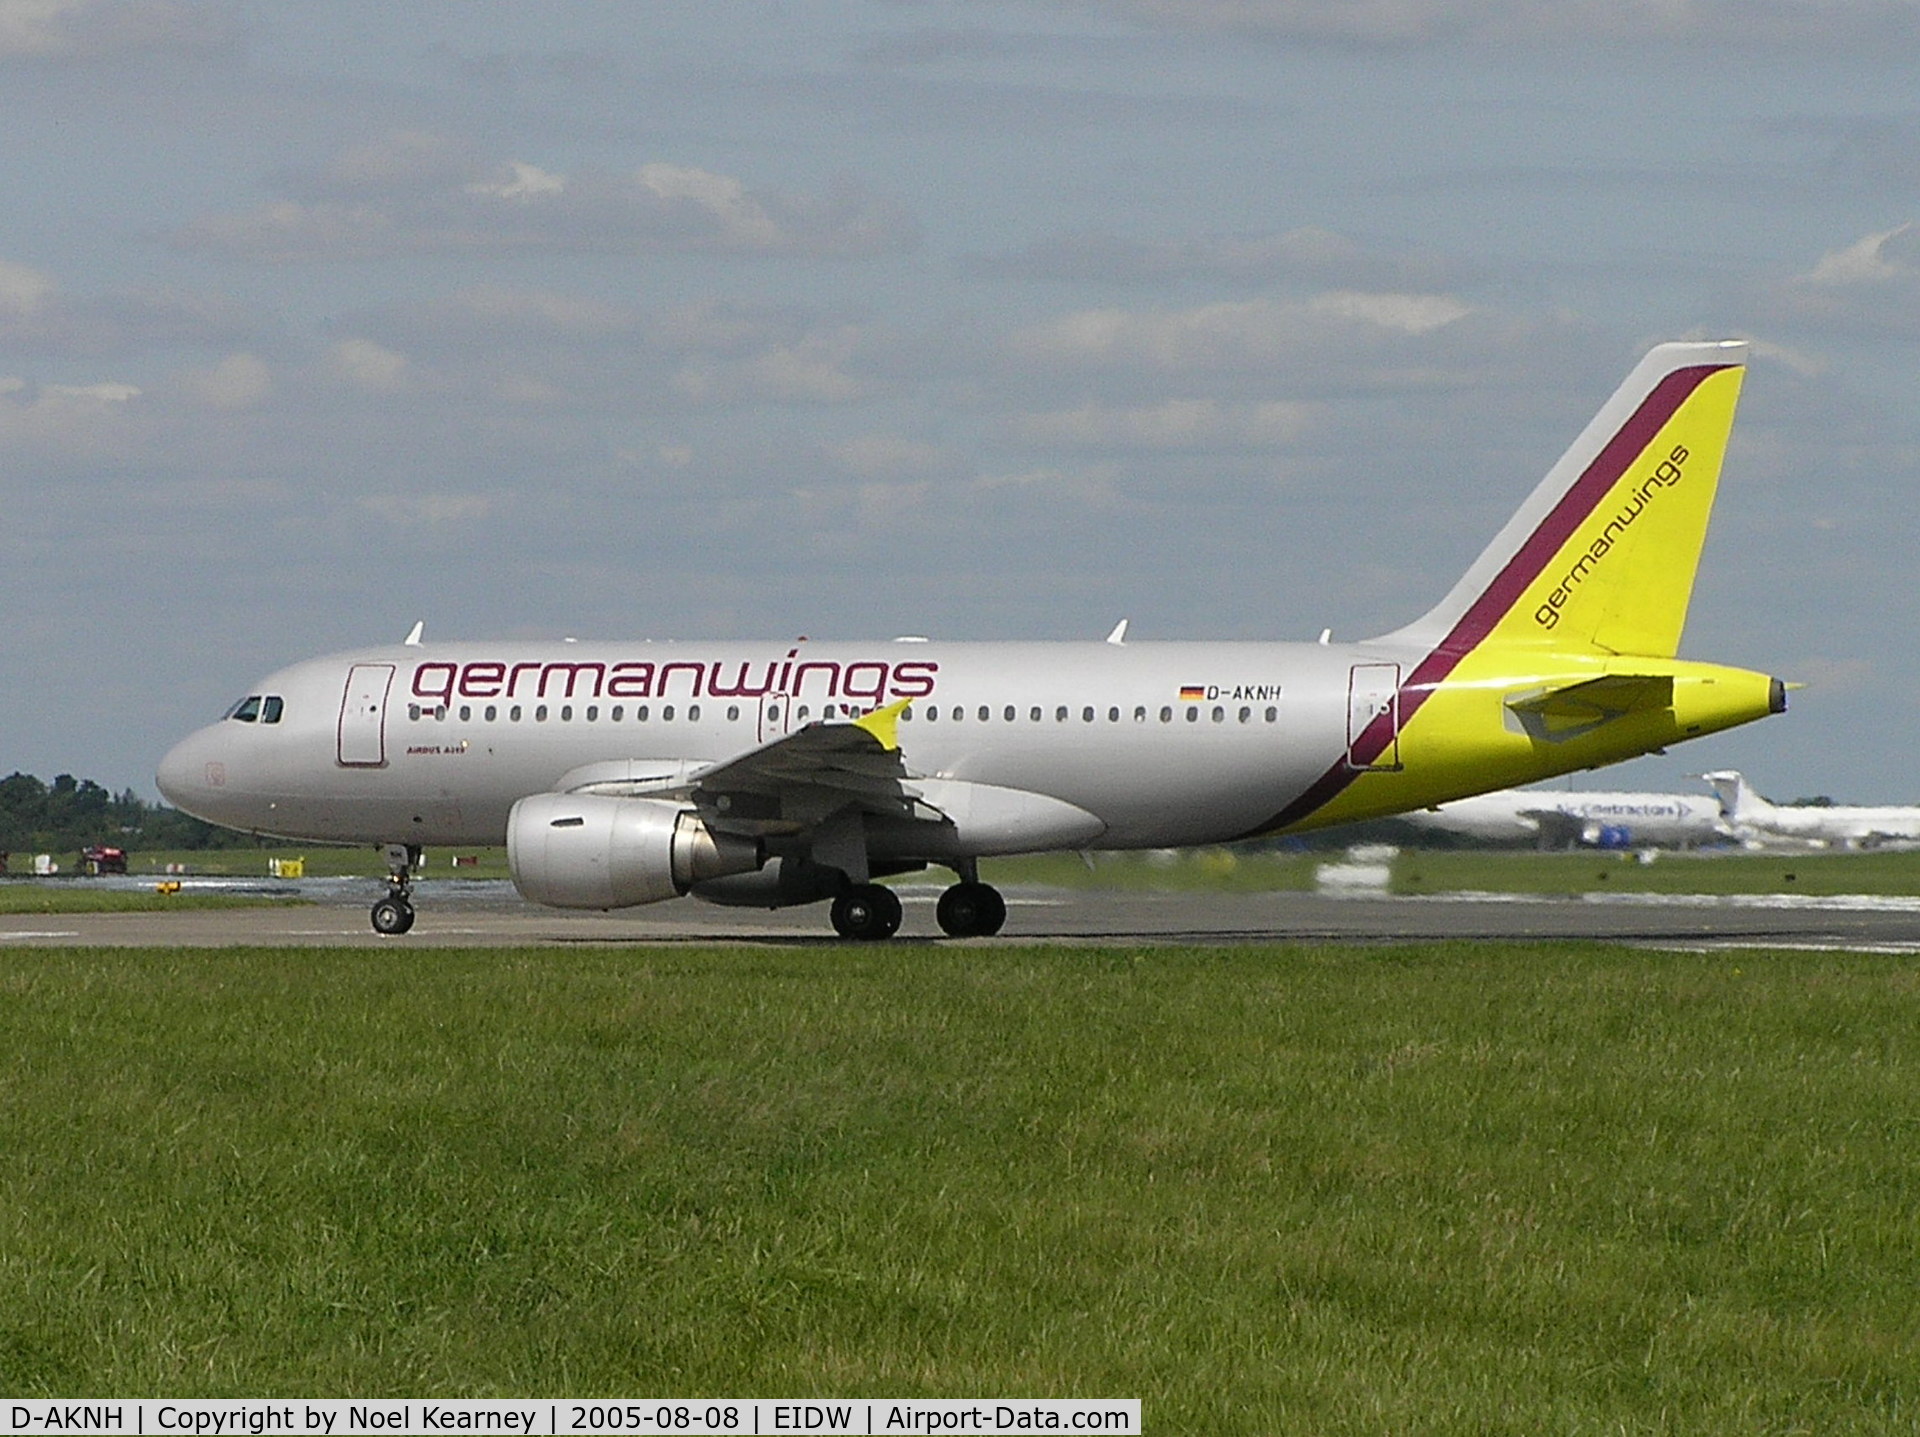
[778, 773]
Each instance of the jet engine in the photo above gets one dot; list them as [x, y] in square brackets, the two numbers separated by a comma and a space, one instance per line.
[589, 851]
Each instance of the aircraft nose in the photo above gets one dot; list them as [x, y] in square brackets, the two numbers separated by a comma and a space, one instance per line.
[191, 774]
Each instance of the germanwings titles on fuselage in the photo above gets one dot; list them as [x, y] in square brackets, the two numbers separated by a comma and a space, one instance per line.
[795, 771]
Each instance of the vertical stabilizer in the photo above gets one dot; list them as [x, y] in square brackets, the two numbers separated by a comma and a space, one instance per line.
[1601, 557]
[1738, 802]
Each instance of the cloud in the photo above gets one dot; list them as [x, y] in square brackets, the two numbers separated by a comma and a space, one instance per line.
[87, 422]
[523, 184]
[37, 317]
[1231, 335]
[813, 371]
[1747, 24]
[240, 381]
[417, 193]
[888, 457]
[23, 290]
[369, 366]
[1870, 286]
[78, 30]
[84, 395]
[429, 510]
[1304, 255]
[1197, 424]
[933, 46]
[1873, 259]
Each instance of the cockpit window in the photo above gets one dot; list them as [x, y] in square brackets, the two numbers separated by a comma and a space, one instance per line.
[247, 710]
[270, 710]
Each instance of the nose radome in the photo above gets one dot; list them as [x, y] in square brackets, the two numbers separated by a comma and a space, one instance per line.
[189, 773]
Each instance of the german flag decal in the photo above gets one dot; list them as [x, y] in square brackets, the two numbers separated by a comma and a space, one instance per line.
[1193, 693]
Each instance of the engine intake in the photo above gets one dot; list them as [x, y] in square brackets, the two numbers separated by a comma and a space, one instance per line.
[588, 851]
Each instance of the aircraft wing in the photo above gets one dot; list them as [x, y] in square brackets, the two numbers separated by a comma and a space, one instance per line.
[785, 786]
[1557, 828]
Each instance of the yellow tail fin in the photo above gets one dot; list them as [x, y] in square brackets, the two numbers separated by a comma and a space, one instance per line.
[1601, 558]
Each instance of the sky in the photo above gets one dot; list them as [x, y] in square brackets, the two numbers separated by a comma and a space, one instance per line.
[997, 319]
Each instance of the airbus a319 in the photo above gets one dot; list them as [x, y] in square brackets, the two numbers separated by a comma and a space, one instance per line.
[790, 772]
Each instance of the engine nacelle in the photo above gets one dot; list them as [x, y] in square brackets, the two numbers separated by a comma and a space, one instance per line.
[588, 851]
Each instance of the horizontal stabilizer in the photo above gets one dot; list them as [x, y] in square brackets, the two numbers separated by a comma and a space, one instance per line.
[1566, 713]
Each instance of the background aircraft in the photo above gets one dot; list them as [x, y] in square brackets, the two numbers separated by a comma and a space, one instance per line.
[1753, 820]
[1553, 819]
[777, 773]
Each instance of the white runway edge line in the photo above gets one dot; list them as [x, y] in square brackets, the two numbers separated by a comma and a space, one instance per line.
[1765, 902]
[690, 1417]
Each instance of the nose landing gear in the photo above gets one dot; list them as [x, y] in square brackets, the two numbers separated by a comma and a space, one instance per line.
[393, 915]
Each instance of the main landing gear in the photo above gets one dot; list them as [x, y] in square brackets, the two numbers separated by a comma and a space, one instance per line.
[393, 915]
[867, 911]
[971, 909]
[871, 911]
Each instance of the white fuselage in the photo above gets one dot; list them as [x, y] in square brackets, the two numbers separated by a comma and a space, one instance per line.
[1862, 826]
[1602, 819]
[1164, 743]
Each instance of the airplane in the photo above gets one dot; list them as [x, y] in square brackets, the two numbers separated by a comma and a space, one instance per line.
[1555, 819]
[790, 772]
[1759, 823]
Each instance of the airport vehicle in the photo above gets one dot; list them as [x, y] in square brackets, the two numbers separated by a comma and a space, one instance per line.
[782, 772]
[99, 858]
[1564, 819]
[1758, 823]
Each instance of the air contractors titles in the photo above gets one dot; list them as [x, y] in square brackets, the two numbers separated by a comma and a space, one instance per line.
[1665, 476]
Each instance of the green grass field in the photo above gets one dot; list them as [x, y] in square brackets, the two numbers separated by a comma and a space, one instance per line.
[80, 897]
[1475, 1189]
[1253, 869]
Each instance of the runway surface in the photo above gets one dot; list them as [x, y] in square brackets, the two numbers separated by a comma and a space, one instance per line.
[484, 914]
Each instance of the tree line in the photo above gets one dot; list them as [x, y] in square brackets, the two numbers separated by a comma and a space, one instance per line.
[71, 813]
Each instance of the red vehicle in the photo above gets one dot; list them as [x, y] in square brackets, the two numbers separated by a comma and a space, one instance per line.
[98, 858]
